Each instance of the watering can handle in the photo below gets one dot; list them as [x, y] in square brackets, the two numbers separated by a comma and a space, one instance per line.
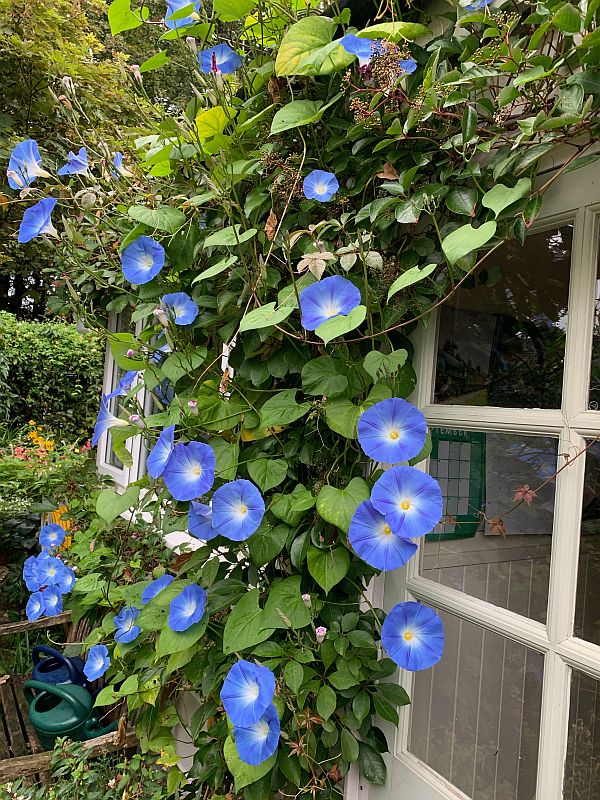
[49, 688]
[94, 729]
[49, 651]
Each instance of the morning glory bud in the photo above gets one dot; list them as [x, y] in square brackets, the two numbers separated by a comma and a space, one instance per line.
[193, 407]
[136, 420]
[161, 316]
[321, 633]
[135, 71]
[306, 600]
[130, 353]
[191, 43]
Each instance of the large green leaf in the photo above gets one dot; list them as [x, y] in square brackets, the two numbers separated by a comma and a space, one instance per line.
[244, 626]
[307, 49]
[120, 344]
[395, 31]
[285, 606]
[412, 275]
[337, 506]
[464, 240]
[298, 113]
[463, 199]
[282, 408]
[122, 18]
[500, 197]
[264, 317]
[171, 641]
[110, 504]
[343, 323]
[322, 376]
[154, 62]
[267, 542]
[229, 237]
[267, 472]
[328, 567]
[290, 508]
[161, 218]
[230, 10]
[244, 774]
[226, 455]
[371, 764]
[326, 702]
[342, 415]
[383, 365]
[216, 269]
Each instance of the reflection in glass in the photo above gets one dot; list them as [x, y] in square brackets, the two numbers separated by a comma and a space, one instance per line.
[507, 563]
[587, 608]
[582, 765]
[501, 338]
[594, 400]
[476, 714]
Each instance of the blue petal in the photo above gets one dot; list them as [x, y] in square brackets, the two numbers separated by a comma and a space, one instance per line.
[97, 662]
[190, 472]
[52, 535]
[35, 606]
[37, 220]
[200, 521]
[413, 636]
[375, 542]
[30, 574]
[225, 59]
[142, 260]
[392, 431]
[358, 46]
[156, 587]
[76, 164]
[52, 601]
[106, 419]
[161, 452]
[258, 742]
[407, 65]
[173, 6]
[187, 608]
[238, 509]
[420, 495]
[326, 299]
[320, 185]
[180, 307]
[124, 384]
[127, 631]
[247, 692]
[25, 164]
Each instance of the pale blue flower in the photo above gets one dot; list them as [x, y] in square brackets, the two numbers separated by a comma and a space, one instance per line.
[391, 431]
[127, 630]
[190, 471]
[156, 587]
[237, 510]
[52, 601]
[247, 692]
[200, 521]
[35, 606]
[161, 452]
[320, 185]
[179, 307]
[359, 46]
[173, 6]
[37, 221]
[142, 260]
[219, 59]
[257, 742]
[97, 662]
[413, 636]
[326, 299]
[106, 419]
[373, 539]
[76, 164]
[25, 165]
[410, 500]
[187, 608]
[52, 535]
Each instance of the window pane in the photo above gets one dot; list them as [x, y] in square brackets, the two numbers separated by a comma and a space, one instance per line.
[594, 402]
[587, 609]
[502, 335]
[476, 714]
[506, 563]
[582, 765]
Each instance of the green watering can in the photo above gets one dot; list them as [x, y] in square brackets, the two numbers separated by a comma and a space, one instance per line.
[62, 710]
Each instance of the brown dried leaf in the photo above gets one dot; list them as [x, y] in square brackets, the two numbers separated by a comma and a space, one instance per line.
[497, 526]
[388, 173]
[271, 226]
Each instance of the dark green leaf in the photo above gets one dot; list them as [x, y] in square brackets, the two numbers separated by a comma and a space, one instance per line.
[371, 764]
[328, 567]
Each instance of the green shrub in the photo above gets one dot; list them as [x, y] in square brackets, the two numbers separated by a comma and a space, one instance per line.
[50, 372]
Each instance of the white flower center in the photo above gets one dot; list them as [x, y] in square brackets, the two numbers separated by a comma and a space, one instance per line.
[242, 510]
[331, 311]
[148, 262]
[321, 188]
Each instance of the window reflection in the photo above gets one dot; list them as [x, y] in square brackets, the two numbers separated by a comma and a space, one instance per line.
[502, 335]
[587, 608]
[582, 765]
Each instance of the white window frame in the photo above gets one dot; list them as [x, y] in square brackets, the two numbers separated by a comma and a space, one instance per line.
[122, 476]
[572, 424]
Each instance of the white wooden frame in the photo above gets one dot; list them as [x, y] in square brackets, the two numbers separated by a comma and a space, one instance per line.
[572, 423]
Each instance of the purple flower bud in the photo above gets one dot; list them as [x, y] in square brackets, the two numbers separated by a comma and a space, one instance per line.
[306, 600]
[135, 71]
[321, 633]
[130, 353]
[160, 315]
[136, 420]
[191, 43]
[193, 407]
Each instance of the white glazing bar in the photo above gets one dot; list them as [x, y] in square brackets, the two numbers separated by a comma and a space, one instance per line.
[504, 420]
[553, 728]
[583, 656]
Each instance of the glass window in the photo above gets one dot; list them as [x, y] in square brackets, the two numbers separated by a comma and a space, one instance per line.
[582, 765]
[587, 608]
[476, 714]
[502, 335]
[594, 399]
[488, 545]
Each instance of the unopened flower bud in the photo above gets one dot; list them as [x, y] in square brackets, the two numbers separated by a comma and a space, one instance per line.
[306, 600]
[321, 633]
[191, 43]
[67, 82]
[193, 407]
[130, 353]
[135, 71]
[136, 420]
[160, 315]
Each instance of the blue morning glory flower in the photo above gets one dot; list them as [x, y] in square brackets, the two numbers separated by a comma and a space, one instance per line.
[66, 579]
[173, 6]
[76, 164]
[220, 58]
[180, 308]
[124, 384]
[375, 542]
[35, 606]
[326, 299]
[478, 5]
[127, 630]
[190, 471]
[200, 521]
[413, 636]
[120, 169]
[247, 692]
[320, 185]
[106, 419]
[161, 452]
[37, 221]
[392, 431]
[357, 46]
[142, 260]
[50, 571]
[25, 165]
[156, 587]
[407, 65]
[52, 535]
[97, 662]
[237, 509]
[410, 500]
[30, 575]
[52, 601]
[255, 743]
[187, 608]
